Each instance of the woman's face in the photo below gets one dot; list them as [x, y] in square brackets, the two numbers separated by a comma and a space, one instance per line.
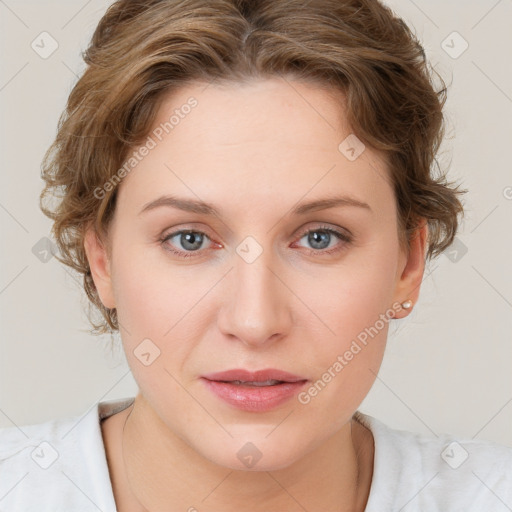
[249, 288]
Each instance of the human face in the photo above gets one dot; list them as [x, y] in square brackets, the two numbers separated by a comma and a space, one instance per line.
[278, 299]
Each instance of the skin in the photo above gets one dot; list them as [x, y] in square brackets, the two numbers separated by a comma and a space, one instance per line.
[253, 151]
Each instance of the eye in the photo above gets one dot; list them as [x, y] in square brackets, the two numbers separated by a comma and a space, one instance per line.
[190, 241]
[321, 238]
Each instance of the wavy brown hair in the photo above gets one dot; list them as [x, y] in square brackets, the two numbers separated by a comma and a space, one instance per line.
[142, 50]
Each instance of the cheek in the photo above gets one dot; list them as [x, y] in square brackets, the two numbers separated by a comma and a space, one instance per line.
[351, 297]
[357, 308]
[345, 365]
[151, 294]
[161, 302]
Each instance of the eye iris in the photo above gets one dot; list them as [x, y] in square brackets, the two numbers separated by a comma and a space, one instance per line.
[195, 239]
[318, 237]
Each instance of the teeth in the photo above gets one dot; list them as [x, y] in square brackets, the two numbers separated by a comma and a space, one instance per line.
[263, 383]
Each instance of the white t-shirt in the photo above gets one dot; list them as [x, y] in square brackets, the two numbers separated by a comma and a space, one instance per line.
[61, 465]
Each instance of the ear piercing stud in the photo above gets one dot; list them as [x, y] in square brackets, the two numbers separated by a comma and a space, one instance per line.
[407, 304]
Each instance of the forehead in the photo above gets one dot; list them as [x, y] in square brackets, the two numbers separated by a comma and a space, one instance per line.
[287, 113]
[260, 142]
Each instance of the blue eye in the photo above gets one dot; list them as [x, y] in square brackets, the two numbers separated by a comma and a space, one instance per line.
[320, 239]
[190, 242]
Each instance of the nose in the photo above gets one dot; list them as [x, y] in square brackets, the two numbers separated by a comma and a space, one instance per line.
[256, 309]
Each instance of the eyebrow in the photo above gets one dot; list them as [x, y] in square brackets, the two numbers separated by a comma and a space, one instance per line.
[200, 207]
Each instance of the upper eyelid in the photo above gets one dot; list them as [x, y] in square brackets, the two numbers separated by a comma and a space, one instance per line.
[337, 231]
[323, 226]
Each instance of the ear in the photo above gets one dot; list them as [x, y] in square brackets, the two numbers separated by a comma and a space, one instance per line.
[413, 266]
[99, 263]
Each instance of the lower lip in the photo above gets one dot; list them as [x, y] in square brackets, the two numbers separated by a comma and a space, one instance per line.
[253, 398]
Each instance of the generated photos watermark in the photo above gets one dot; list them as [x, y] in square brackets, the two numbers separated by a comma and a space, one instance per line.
[344, 359]
[142, 151]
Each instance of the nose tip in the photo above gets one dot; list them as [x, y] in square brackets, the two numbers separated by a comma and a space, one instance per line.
[257, 337]
[255, 310]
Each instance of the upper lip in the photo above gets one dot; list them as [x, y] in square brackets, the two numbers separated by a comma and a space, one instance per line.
[255, 376]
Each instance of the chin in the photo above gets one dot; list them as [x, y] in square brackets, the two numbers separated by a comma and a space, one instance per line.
[257, 455]
[264, 464]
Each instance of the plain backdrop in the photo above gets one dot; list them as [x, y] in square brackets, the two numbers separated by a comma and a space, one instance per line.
[448, 365]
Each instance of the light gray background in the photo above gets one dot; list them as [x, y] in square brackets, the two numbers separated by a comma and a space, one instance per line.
[447, 366]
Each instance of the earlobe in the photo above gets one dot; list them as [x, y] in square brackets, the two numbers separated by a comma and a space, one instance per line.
[99, 264]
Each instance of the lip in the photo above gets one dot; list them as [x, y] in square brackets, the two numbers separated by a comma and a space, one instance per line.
[256, 376]
[252, 398]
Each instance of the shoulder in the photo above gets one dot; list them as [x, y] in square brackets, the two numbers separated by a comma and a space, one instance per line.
[62, 459]
[424, 472]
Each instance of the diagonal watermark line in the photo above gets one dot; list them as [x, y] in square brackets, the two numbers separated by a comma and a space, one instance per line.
[407, 503]
[80, 284]
[216, 487]
[492, 211]
[491, 490]
[486, 14]
[14, 423]
[379, 174]
[334, 334]
[14, 486]
[502, 296]
[209, 83]
[492, 81]
[281, 422]
[12, 12]
[95, 404]
[286, 490]
[376, 376]
[503, 407]
[88, 497]
[76, 14]
[121, 326]
[72, 71]
[13, 279]
[171, 328]
[199, 403]
[307, 100]
[220, 220]
[428, 273]
[75, 278]
[13, 217]
[14, 76]
[424, 13]
[305, 194]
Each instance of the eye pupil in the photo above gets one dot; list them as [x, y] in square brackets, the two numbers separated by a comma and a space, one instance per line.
[318, 237]
[192, 241]
[195, 239]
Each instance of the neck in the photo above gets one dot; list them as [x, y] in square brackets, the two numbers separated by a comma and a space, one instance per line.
[161, 469]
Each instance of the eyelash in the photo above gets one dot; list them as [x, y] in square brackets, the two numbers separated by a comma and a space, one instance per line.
[347, 239]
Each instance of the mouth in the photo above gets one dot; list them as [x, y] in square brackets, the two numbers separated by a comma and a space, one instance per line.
[265, 383]
[257, 391]
[258, 376]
